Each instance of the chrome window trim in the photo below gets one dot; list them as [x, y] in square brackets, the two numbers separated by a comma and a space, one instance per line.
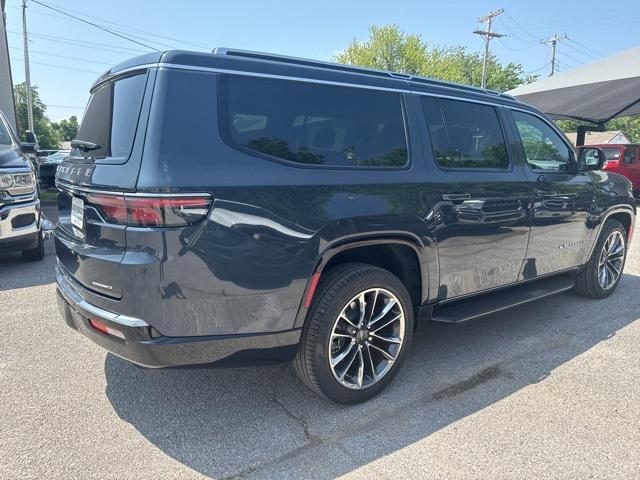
[102, 80]
[276, 76]
[408, 90]
[81, 189]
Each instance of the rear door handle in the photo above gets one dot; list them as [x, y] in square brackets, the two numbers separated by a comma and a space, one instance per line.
[456, 197]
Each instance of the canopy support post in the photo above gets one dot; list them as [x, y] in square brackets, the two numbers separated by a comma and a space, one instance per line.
[583, 129]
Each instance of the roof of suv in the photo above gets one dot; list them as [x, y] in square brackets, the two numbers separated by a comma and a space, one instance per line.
[232, 60]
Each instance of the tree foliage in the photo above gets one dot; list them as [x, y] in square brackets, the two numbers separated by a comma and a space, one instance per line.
[50, 134]
[629, 125]
[68, 128]
[389, 48]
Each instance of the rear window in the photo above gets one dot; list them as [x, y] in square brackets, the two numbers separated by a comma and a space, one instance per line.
[314, 124]
[111, 118]
[612, 153]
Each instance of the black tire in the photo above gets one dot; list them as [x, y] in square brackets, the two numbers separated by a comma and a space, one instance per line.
[587, 283]
[35, 254]
[336, 289]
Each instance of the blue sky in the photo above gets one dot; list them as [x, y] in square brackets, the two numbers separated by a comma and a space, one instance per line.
[308, 29]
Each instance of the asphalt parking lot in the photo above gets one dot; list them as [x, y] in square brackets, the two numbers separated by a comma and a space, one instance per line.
[548, 390]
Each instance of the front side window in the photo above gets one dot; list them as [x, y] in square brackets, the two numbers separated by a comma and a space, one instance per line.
[314, 124]
[543, 147]
[111, 117]
[628, 156]
[612, 153]
[465, 134]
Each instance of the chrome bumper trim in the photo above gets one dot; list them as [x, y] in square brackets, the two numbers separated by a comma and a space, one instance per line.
[7, 230]
[74, 299]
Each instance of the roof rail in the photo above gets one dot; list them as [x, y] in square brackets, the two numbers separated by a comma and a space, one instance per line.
[272, 57]
[348, 68]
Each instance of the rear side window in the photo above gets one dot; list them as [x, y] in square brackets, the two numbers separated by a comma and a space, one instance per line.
[111, 117]
[465, 135]
[314, 124]
[628, 156]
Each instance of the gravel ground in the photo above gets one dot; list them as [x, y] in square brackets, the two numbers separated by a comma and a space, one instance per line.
[548, 390]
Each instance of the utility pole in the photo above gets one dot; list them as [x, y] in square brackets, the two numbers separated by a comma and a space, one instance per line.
[554, 42]
[27, 76]
[487, 35]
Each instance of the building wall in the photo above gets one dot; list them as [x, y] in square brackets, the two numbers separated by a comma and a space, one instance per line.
[7, 104]
[620, 138]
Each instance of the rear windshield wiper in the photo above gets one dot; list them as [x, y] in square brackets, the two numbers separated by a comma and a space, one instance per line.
[84, 145]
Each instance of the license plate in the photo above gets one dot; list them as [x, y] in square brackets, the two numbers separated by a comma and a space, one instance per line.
[77, 213]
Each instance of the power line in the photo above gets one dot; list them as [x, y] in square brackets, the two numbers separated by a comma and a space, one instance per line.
[581, 18]
[592, 57]
[585, 48]
[565, 54]
[80, 43]
[53, 15]
[504, 44]
[521, 27]
[596, 23]
[57, 66]
[62, 56]
[132, 28]
[100, 27]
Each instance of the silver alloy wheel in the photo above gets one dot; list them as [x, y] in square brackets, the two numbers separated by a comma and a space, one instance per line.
[611, 260]
[366, 338]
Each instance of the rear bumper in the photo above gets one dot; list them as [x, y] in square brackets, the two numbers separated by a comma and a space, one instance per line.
[146, 347]
[15, 234]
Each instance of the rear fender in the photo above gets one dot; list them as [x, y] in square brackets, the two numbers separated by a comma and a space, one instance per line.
[364, 241]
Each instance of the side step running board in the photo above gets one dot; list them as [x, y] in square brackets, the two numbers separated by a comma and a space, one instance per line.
[495, 302]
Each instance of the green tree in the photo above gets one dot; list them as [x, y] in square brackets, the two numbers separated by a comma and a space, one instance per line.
[48, 136]
[629, 125]
[68, 128]
[389, 48]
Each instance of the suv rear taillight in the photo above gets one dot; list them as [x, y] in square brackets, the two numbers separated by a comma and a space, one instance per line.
[136, 211]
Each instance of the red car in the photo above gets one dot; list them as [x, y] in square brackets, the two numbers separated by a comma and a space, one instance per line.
[625, 160]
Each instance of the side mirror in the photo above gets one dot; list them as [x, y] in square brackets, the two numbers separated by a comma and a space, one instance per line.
[31, 143]
[591, 158]
[31, 137]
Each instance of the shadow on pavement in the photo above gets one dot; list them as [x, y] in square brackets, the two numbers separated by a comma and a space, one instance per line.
[18, 273]
[226, 422]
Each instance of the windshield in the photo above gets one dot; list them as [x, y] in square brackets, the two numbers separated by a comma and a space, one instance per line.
[612, 153]
[111, 118]
[5, 137]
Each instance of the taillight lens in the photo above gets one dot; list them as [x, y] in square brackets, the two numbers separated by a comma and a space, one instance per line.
[151, 211]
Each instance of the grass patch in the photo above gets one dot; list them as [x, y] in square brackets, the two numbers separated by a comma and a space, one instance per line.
[49, 195]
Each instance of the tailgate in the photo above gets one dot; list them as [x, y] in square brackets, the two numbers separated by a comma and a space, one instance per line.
[90, 251]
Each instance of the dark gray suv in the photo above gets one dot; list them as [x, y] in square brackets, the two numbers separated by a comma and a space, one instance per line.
[245, 208]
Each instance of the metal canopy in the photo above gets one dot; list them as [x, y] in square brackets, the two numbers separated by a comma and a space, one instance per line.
[596, 92]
